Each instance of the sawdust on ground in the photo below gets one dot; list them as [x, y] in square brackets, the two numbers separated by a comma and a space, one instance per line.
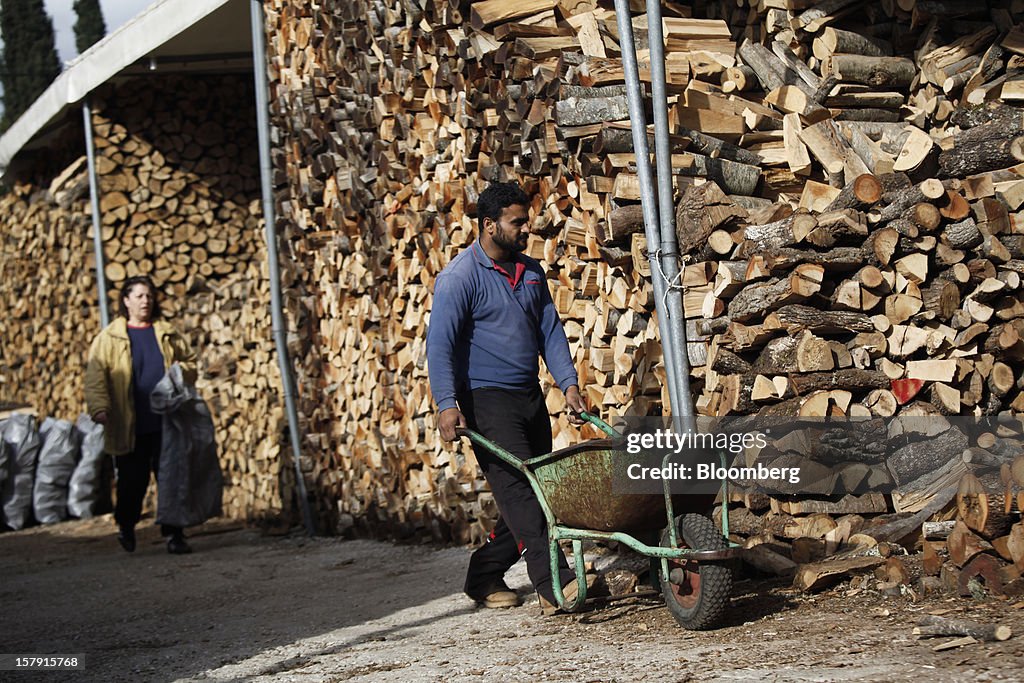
[252, 607]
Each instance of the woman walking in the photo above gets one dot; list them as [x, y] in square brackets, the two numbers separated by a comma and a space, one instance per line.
[126, 360]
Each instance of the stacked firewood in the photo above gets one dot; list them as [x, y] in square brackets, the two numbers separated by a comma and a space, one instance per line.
[844, 177]
[53, 297]
[180, 203]
[848, 249]
[970, 536]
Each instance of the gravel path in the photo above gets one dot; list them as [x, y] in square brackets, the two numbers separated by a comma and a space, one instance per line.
[249, 607]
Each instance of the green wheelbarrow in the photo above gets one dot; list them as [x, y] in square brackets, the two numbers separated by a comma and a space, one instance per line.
[690, 557]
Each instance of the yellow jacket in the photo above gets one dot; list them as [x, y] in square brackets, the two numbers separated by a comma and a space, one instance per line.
[108, 378]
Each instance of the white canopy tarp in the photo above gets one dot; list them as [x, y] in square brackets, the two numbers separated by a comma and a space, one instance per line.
[167, 28]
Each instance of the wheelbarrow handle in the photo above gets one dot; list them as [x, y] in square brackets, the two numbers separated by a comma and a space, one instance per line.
[600, 424]
[480, 439]
[490, 446]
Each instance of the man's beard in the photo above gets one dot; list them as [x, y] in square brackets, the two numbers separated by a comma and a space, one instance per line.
[513, 245]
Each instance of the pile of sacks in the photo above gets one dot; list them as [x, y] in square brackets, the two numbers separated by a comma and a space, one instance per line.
[49, 471]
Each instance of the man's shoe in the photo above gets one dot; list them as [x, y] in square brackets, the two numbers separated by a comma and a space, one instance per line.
[569, 591]
[499, 596]
[176, 545]
[126, 537]
[499, 599]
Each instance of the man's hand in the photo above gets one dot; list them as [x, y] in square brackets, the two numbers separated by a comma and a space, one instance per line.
[448, 421]
[576, 405]
[100, 417]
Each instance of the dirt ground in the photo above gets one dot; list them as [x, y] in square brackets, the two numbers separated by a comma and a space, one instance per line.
[250, 607]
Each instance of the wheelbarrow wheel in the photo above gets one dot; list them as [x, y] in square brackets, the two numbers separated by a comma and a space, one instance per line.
[699, 597]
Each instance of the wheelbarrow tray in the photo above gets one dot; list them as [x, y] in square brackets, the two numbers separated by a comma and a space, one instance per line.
[578, 484]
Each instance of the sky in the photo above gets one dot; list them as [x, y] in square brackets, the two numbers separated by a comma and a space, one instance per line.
[115, 14]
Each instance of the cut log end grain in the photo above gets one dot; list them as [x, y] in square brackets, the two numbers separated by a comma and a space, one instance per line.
[915, 150]
[932, 188]
[867, 188]
[963, 544]
[972, 502]
[955, 207]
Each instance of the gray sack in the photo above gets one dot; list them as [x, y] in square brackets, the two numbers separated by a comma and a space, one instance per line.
[57, 458]
[84, 488]
[191, 484]
[23, 440]
[5, 457]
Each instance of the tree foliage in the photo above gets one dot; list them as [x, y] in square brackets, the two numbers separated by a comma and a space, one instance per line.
[89, 26]
[29, 62]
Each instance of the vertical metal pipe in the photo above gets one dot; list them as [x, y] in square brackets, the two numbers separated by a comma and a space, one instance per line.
[682, 403]
[94, 200]
[648, 202]
[259, 58]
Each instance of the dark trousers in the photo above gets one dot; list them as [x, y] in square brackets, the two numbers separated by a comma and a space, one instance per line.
[517, 420]
[133, 479]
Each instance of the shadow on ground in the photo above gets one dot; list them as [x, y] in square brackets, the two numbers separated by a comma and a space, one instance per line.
[69, 588]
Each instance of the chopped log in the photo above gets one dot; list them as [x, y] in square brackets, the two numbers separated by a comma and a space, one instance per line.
[797, 318]
[833, 40]
[772, 73]
[987, 148]
[851, 379]
[963, 544]
[900, 201]
[863, 191]
[972, 503]
[910, 462]
[758, 299]
[782, 233]
[621, 223]
[984, 569]
[738, 78]
[813, 577]
[916, 149]
[576, 111]
[930, 626]
[962, 235]
[488, 12]
[833, 260]
[764, 559]
[701, 210]
[711, 146]
[895, 72]
[797, 158]
[827, 145]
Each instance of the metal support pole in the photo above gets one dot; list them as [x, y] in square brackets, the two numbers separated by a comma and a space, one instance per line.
[94, 197]
[259, 58]
[648, 201]
[682, 402]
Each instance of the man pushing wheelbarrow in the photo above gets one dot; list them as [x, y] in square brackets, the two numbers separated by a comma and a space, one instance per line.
[492, 317]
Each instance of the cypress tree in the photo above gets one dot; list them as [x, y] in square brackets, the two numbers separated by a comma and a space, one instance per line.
[29, 62]
[89, 26]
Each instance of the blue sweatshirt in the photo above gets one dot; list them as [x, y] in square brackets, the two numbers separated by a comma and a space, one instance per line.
[147, 371]
[484, 332]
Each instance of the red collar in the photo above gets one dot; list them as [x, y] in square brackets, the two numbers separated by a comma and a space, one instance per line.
[513, 280]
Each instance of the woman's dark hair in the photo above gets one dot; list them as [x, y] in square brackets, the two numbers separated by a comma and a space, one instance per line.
[496, 198]
[126, 289]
